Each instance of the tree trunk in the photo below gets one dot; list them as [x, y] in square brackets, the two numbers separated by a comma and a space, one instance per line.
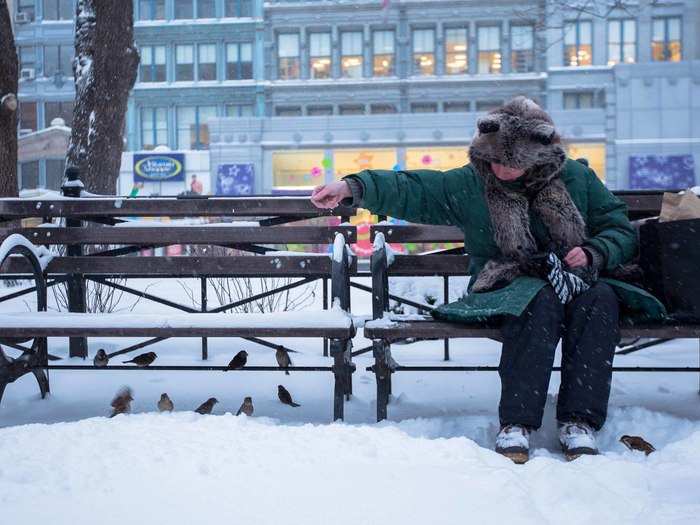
[8, 105]
[105, 68]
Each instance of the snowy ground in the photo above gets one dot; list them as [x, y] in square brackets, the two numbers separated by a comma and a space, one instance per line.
[61, 459]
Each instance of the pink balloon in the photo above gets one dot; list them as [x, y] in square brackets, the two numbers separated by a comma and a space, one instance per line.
[427, 159]
[316, 171]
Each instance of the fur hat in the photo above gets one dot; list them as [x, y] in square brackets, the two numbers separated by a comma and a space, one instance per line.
[519, 134]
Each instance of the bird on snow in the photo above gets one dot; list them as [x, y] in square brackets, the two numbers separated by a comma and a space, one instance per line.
[121, 404]
[206, 407]
[286, 397]
[101, 358]
[637, 443]
[246, 407]
[165, 404]
[283, 359]
[238, 361]
[143, 360]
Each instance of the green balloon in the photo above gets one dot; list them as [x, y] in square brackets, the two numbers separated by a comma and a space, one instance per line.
[326, 163]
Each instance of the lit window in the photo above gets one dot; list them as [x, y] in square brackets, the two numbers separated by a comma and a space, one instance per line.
[184, 9]
[593, 152]
[62, 110]
[292, 169]
[347, 161]
[489, 49]
[522, 56]
[58, 59]
[436, 158]
[622, 41]
[320, 55]
[239, 110]
[288, 56]
[351, 109]
[288, 111]
[455, 107]
[151, 9]
[666, 40]
[239, 61]
[206, 61]
[351, 54]
[424, 51]
[154, 127]
[152, 66]
[383, 53]
[192, 128]
[27, 116]
[206, 8]
[424, 107]
[184, 62]
[317, 111]
[238, 8]
[379, 109]
[58, 9]
[456, 62]
[578, 49]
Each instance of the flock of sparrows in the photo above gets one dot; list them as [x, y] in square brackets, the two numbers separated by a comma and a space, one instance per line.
[239, 360]
[121, 404]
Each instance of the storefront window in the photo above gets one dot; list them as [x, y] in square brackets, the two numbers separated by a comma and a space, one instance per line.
[433, 158]
[348, 161]
[594, 153]
[297, 169]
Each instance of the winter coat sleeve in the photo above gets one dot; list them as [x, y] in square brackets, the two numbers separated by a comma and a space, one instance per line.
[421, 196]
[610, 230]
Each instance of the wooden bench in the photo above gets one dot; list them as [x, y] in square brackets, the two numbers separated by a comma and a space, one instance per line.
[388, 328]
[99, 237]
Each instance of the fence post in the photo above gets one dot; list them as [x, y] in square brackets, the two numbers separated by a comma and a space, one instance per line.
[205, 343]
[446, 299]
[76, 282]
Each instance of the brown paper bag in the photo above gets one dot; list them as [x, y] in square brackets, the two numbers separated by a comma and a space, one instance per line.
[680, 207]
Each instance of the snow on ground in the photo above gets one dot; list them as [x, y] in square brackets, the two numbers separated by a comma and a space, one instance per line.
[62, 459]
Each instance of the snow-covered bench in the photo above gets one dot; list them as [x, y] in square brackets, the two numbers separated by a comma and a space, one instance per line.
[387, 328]
[105, 227]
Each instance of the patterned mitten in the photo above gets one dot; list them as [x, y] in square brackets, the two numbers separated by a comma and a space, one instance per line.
[566, 285]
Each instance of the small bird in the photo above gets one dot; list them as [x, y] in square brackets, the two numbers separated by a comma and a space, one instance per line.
[238, 361]
[165, 404]
[286, 397]
[206, 407]
[637, 443]
[121, 404]
[283, 359]
[101, 358]
[246, 407]
[143, 360]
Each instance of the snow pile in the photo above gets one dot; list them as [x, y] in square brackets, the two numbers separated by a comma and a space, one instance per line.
[42, 253]
[186, 468]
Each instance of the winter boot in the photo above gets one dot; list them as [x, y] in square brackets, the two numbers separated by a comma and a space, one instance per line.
[577, 439]
[513, 441]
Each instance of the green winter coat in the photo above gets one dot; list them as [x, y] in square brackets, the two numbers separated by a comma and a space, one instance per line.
[456, 198]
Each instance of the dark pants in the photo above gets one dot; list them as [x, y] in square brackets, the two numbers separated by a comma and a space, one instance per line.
[588, 327]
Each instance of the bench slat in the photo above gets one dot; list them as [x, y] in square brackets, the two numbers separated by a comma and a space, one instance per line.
[421, 265]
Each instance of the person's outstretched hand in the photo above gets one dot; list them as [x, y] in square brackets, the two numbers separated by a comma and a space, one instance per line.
[329, 195]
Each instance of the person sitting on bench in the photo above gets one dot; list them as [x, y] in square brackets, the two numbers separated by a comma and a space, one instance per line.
[540, 228]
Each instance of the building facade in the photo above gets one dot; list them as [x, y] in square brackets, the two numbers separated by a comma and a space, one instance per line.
[287, 94]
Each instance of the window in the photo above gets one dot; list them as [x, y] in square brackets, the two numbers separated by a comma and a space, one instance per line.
[288, 111]
[578, 50]
[622, 41]
[456, 62]
[152, 67]
[455, 107]
[154, 127]
[58, 59]
[522, 55]
[347, 161]
[58, 9]
[206, 8]
[27, 116]
[206, 62]
[29, 175]
[288, 56]
[583, 100]
[383, 53]
[27, 56]
[184, 62]
[239, 61]
[351, 109]
[488, 105]
[436, 158]
[489, 49]
[424, 51]
[240, 110]
[424, 107]
[27, 7]
[62, 110]
[292, 169]
[184, 9]
[666, 39]
[151, 9]
[316, 111]
[381, 109]
[320, 55]
[351, 54]
[55, 169]
[238, 8]
[192, 128]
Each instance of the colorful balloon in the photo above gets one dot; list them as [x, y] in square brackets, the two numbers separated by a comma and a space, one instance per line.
[326, 163]
[427, 159]
[316, 171]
